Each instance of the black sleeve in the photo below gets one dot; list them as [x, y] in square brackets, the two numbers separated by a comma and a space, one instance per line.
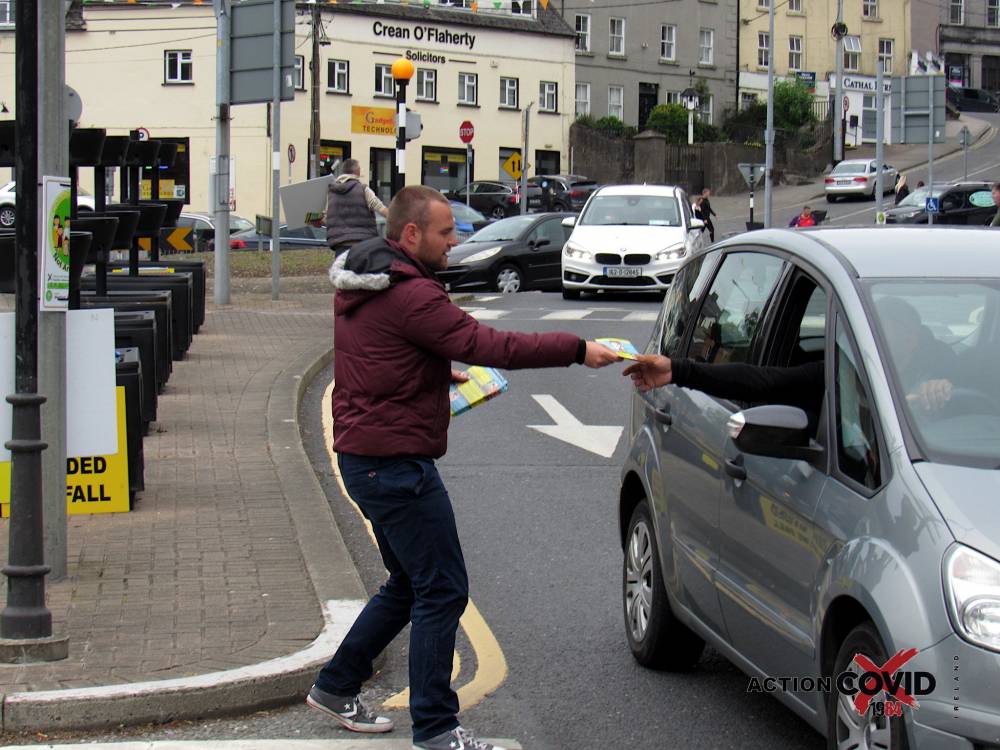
[802, 385]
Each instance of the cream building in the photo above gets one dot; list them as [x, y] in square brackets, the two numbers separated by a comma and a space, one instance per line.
[878, 31]
[153, 66]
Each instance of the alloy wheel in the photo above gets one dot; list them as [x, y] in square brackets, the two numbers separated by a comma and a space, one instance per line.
[639, 581]
[854, 731]
[508, 280]
[7, 216]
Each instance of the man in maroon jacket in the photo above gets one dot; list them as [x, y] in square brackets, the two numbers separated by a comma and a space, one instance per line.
[396, 333]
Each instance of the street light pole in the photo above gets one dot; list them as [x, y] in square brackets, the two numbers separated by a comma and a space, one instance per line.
[402, 72]
[839, 32]
[314, 95]
[769, 131]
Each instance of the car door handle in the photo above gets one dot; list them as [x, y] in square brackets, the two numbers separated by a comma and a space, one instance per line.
[735, 468]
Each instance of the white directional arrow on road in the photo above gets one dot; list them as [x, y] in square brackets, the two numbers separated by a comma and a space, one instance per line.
[599, 439]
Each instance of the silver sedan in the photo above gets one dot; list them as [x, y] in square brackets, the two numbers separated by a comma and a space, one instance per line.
[857, 177]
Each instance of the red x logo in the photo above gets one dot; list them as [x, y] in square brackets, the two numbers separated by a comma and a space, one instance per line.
[886, 671]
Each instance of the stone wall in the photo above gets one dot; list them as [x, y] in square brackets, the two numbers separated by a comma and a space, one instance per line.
[604, 159]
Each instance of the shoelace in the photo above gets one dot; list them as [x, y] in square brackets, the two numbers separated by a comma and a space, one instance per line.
[363, 709]
[469, 740]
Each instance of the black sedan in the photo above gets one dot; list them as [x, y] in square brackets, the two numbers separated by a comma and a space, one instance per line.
[969, 203]
[510, 255]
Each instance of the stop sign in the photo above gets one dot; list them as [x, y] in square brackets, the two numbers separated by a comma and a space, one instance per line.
[466, 131]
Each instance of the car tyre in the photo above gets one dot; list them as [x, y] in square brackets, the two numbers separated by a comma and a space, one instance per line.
[845, 728]
[831, 199]
[656, 637]
[509, 279]
[571, 293]
[7, 216]
[498, 212]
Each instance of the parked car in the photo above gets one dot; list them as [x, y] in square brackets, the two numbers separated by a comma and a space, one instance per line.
[857, 177]
[496, 199]
[973, 100]
[959, 203]
[468, 220]
[792, 541]
[8, 200]
[510, 255]
[203, 227]
[300, 238]
[569, 191]
[629, 238]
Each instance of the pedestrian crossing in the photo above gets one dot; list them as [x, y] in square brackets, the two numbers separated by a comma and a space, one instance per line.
[589, 313]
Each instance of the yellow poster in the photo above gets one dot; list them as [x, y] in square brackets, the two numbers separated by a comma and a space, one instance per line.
[373, 120]
[94, 484]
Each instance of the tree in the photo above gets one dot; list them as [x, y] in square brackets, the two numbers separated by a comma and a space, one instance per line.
[672, 121]
[792, 105]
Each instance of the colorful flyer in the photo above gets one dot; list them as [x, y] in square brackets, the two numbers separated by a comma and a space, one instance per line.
[53, 253]
[623, 347]
[483, 384]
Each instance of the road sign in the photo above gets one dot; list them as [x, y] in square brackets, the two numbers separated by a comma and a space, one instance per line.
[252, 51]
[909, 104]
[932, 206]
[291, 153]
[513, 165]
[880, 217]
[172, 240]
[963, 136]
[143, 134]
[847, 103]
[752, 173]
[466, 131]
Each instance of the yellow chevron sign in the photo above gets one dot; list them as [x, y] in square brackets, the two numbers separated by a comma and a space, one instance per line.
[172, 240]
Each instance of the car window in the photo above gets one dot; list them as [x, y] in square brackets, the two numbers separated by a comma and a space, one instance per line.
[551, 230]
[850, 167]
[857, 437]
[488, 187]
[730, 314]
[461, 190]
[680, 302]
[183, 221]
[632, 210]
[297, 233]
[202, 225]
[951, 201]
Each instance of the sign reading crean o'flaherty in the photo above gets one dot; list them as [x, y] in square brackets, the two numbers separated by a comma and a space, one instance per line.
[373, 120]
[425, 34]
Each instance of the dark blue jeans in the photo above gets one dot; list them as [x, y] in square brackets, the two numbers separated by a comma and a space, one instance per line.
[414, 525]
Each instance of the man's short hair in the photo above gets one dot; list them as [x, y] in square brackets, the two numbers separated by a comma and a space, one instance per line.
[806, 208]
[350, 166]
[995, 186]
[410, 206]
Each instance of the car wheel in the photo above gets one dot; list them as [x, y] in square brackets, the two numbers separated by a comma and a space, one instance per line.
[846, 727]
[7, 216]
[657, 638]
[571, 293]
[831, 199]
[509, 279]
[498, 212]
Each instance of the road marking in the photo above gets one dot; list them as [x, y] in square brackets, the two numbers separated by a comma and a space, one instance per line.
[491, 664]
[483, 314]
[397, 743]
[490, 298]
[568, 314]
[641, 316]
[599, 439]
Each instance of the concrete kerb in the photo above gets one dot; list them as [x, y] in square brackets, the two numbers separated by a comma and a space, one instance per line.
[269, 683]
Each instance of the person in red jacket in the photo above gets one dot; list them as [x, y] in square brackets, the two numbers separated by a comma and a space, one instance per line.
[396, 333]
[804, 219]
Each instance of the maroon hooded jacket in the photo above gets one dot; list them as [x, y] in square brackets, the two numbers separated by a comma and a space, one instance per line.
[396, 333]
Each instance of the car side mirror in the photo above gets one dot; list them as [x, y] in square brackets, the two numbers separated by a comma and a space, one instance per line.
[774, 430]
[697, 224]
[541, 242]
[569, 221]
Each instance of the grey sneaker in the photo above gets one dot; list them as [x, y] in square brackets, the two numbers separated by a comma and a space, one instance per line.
[458, 738]
[349, 711]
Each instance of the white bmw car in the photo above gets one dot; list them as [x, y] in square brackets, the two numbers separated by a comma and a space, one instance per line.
[630, 238]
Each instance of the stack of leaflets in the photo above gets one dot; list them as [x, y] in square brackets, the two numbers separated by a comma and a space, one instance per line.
[623, 347]
[483, 384]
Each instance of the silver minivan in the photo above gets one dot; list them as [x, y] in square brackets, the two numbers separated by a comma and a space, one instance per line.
[816, 495]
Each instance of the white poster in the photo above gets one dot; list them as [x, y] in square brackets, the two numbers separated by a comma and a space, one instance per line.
[91, 426]
[53, 244]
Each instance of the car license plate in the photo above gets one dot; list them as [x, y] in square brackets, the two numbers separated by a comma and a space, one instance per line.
[623, 272]
[843, 182]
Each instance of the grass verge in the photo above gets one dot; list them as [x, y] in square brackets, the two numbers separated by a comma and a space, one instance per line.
[250, 264]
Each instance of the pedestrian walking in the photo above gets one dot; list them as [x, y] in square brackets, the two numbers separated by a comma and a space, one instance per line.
[350, 209]
[396, 334]
[996, 202]
[902, 189]
[707, 212]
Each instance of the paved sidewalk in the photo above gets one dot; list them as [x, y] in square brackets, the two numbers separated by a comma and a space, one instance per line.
[228, 554]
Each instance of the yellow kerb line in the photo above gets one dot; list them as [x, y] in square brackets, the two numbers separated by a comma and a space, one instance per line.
[491, 665]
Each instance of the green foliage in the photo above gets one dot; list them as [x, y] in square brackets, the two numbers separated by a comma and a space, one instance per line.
[672, 121]
[792, 105]
[609, 126]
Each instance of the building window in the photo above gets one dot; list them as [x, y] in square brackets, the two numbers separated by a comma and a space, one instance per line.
[705, 109]
[747, 100]
[521, 7]
[582, 33]
[852, 52]
[427, 85]
[300, 73]
[616, 102]
[763, 51]
[7, 13]
[548, 96]
[468, 85]
[766, 4]
[177, 66]
[794, 6]
[956, 11]
[869, 8]
[508, 92]
[993, 13]
[338, 79]
[582, 99]
[795, 53]
[383, 81]
[668, 42]
[616, 36]
[885, 54]
[706, 45]
[671, 97]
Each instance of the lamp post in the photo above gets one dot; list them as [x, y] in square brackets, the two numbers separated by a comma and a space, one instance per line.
[689, 98]
[402, 72]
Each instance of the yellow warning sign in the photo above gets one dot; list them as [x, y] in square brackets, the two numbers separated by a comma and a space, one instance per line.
[172, 240]
[513, 166]
[94, 484]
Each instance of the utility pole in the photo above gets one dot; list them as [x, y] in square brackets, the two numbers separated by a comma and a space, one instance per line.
[879, 138]
[276, 155]
[314, 94]
[402, 72]
[930, 143]
[524, 160]
[839, 31]
[220, 180]
[769, 131]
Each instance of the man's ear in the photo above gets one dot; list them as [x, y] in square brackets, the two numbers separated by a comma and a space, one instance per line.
[410, 234]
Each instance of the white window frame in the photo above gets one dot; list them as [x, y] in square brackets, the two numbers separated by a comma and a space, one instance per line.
[705, 109]
[522, 7]
[993, 14]
[582, 32]
[582, 103]
[886, 50]
[426, 85]
[763, 49]
[794, 52]
[959, 6]
[384, 84]
[668, 42]
[179, 59]
[794, 6]
[339, 68]
[706, 52]
[616, 42]
[619, 110]
[766, 4]
[548, 96]
[671, 97]
[300, 73]
[852, 53]
[869, 9]
[506, 89]
[468, 83]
